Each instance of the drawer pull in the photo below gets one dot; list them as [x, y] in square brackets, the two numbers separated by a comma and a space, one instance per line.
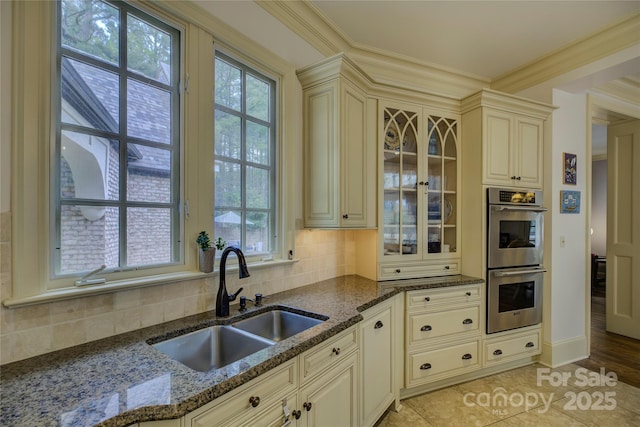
[345, 216]
[378, 325]
[427, 299]
[530, 344]
[446, 267]
[296, 414]
[254, 400]
[307, 406]
[425, 366]
[498, 352]
[467, 321]
[468, 294]
[336, 350]
[398, 270]
[466, 356]
[425, 328]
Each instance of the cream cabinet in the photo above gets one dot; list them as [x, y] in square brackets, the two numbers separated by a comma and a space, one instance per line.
[443, 333]
[510, 132]
[512, 345]
[339, 147]
[379, 356]
[250, 403]
[419, 164]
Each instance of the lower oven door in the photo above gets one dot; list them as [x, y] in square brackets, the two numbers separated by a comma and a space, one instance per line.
[514, 298]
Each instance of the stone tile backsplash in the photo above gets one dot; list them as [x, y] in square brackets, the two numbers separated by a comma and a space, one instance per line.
[30, 331]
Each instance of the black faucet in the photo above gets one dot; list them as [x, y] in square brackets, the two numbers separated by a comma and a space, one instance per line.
[223, 298]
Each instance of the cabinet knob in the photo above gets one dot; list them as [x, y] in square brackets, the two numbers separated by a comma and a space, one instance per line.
[468, 293]
[336, 350]
[513, 177]
[378, 325]
[254, 401]
[425, 328]
[425, 366]
[446, 267]
[467, 321]
[498, 352]
[345, 216]
[296, 414]
[307, 406]
[529, 344]
[398, 270]
[519, 178]
[427, 299]
[466, 356]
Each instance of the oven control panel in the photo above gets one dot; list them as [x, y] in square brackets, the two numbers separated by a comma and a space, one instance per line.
[506, 196]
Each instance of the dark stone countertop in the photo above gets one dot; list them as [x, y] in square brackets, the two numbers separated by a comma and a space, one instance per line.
[122, 380]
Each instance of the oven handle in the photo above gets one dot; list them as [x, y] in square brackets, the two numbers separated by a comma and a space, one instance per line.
[519, 208]
[519, 272]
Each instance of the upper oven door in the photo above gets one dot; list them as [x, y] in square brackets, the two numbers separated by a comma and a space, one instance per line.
[515, 236]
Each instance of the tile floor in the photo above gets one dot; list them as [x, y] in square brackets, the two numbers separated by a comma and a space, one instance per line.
[517, 398]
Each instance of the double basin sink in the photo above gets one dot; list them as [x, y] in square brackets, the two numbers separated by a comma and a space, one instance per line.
[216, 346]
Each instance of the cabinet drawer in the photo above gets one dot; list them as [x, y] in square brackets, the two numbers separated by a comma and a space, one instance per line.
[327, 354]
[436, 364]
[513, 348]
[269, 388]
[438, 324]
[404, 271]
[430, 297]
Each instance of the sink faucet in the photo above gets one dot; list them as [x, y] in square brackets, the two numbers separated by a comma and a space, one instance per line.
[223, 298]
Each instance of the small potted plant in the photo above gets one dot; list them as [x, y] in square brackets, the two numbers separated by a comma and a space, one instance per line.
[206, 252]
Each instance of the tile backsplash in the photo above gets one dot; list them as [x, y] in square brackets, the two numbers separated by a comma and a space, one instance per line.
[33, 330]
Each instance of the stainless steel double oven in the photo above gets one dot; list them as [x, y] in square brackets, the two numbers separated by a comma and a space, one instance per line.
[514, 258]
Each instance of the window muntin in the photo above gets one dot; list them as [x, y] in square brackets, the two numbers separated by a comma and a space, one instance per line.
[117, 151]
[244, 154]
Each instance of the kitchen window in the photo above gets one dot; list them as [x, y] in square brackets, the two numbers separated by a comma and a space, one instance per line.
[116, 170]
[244, 157]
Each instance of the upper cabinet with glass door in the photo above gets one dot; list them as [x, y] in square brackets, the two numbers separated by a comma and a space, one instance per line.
[420, 198]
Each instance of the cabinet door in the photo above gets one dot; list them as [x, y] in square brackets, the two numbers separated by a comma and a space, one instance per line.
[353, 151]
[332, 399]
[497, 153]
[377, 367]
[528, 152]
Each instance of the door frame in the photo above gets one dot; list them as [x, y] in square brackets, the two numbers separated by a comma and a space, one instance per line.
[616, 106]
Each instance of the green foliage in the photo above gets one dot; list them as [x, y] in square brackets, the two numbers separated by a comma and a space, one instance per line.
[203, 240]
[220, 243]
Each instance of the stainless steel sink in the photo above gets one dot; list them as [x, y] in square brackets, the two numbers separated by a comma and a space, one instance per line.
[277, 325]
[221, 345]
[212, 348]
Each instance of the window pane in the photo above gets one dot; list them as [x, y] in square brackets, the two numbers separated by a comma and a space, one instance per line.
[148, 174]
[228, 226]
[89, 167]
[148, 112]
[228, 184]
[148, 50]
[257, 98]
[228, 85]
[258, 233]
[89, 237]
[89, 96]
[228, 142]
[258, 146]
[91, 27]
[258, 185]
[148, 236]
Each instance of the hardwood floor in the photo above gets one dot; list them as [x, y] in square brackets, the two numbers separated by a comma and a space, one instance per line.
[614, 352]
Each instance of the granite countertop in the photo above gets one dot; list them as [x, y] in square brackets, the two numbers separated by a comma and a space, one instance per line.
[122, 380]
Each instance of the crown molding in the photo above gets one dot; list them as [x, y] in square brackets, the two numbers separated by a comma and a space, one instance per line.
[625, 89]
[502, 101]
[612, 39]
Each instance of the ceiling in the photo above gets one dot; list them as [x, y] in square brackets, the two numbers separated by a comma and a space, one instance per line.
[483, 38]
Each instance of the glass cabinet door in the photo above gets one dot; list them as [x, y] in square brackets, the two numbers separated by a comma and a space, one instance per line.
[400, 183]
[441, 189]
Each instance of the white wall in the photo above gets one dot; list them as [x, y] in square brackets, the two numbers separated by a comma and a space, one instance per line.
[565, 330]
[599, 207]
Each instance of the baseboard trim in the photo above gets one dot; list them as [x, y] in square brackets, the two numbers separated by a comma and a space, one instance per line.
[560, 353]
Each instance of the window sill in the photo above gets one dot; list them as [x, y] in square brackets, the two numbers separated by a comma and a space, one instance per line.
[120, 285]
